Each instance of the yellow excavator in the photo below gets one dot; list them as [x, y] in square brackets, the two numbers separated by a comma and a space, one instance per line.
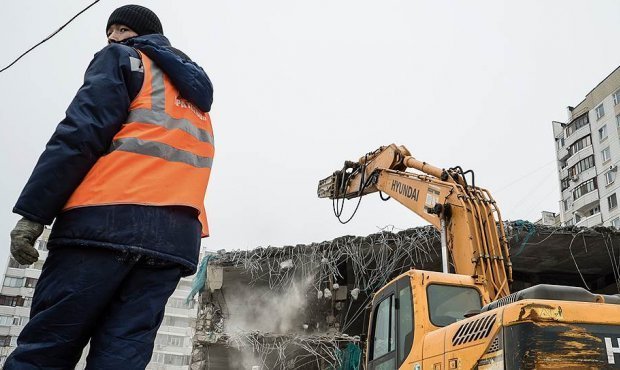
[469, 319]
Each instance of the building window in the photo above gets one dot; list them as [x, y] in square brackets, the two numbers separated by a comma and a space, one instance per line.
[616, 222]
[180, 303]
[610, 177]
[612, 201]
[618, 120]
[602, 133]
[175, 341]
[6, 320]
[584, 188]
[13, 282]
[31, 283]
[16, 265]
[175, 321]
[605, 155]
[580, 144]
[593, 211]
[42, 245]
[178, 360]
[5, 340]
[617, 97]
[27, 301]
[565, 183]
[170, 359]
[38, 265]
[157, 358]
[20, 320]
[581, 166]
[565, 205]
[8, 300]
[600, 111]
[576, 124]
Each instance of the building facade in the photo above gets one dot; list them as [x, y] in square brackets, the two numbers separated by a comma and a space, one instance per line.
[16, 297]
[173, 344]
[588, 153]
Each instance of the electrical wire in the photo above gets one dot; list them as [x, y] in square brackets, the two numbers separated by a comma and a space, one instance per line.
[49, 37]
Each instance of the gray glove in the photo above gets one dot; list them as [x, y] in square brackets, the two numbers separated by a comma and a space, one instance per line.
[23, 237]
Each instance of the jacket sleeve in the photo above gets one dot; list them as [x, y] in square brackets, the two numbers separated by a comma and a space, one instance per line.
[94, 116]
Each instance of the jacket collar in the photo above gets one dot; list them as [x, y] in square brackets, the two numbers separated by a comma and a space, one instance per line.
[188, 77]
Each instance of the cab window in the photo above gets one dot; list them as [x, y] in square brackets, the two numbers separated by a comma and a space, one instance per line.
[449, 303]
[405, 320]
[383, 337]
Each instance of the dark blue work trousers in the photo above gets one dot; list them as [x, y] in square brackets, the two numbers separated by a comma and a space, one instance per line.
[115, 300]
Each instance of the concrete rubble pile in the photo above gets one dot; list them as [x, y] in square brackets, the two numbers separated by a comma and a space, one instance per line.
[305, 306]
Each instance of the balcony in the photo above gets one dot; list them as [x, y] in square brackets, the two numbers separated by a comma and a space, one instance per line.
[176, 330]
[32, 273]
[15, 272]
[585, 175]
[590, 221]
[563, 153]
[564, 173]
[583, 153]
[184, 349]
[583, 131]
[13, 291]
[7, 310]
[586, 201]
[185, 312]
[15, 330]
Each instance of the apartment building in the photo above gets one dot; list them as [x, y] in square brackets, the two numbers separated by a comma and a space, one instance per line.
[588, 153]
[173, 344]
[16, 297]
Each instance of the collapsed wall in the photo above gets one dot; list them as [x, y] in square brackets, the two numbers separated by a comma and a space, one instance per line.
[305, 306]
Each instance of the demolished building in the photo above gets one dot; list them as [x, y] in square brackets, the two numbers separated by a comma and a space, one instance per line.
[305, 306]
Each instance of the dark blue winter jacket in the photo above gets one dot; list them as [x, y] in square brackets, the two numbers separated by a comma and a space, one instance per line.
[96, 114]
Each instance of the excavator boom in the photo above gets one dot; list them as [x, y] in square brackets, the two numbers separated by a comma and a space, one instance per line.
[466, 216]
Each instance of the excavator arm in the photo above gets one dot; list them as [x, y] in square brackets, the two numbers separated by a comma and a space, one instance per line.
[466, 216]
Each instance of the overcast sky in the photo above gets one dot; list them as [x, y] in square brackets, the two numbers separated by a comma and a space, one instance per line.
[302, 85]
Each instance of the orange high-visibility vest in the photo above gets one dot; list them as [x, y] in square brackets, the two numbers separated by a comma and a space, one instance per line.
[161, 156]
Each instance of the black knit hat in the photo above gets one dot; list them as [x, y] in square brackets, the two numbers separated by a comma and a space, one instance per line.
[140, 19]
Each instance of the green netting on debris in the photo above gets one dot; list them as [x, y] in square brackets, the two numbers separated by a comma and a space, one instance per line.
[350, 357]
[198, 284]
[522, 225]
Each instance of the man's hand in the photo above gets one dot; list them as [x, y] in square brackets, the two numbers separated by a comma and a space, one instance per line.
[23, 237]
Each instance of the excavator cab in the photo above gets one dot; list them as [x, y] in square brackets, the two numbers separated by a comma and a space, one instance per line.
[409, 307]
[431, 320]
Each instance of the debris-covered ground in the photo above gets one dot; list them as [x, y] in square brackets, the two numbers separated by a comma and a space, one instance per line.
[304, 306]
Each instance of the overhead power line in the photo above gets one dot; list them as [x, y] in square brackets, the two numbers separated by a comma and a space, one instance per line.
[49, 37]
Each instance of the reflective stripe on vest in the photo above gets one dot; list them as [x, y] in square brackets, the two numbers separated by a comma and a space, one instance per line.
[162, 155]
